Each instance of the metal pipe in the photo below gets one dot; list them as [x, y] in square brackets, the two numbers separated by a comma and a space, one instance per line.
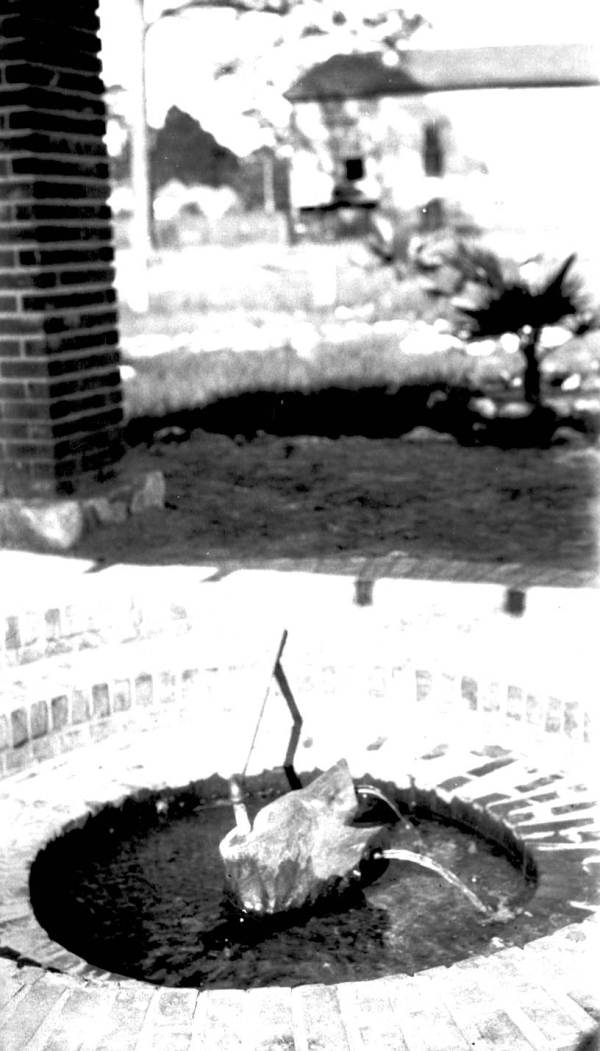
[236, 796]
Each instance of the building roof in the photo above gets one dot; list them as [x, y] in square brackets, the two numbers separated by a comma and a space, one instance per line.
[418, 72]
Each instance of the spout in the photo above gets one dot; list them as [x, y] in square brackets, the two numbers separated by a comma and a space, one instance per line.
[236, 796]
[376, 793]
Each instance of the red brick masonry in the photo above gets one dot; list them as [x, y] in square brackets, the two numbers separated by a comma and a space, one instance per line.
[60, 395]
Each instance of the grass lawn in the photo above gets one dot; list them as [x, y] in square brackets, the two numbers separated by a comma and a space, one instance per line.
[307, 497]
[333, 295]
[265, 279]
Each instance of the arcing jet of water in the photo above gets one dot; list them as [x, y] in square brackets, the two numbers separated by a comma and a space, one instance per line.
[424, 862]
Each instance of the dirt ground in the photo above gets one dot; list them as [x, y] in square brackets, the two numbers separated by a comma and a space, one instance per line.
[318, 497]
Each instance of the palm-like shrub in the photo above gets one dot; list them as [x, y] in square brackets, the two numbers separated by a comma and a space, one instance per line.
[513, 305]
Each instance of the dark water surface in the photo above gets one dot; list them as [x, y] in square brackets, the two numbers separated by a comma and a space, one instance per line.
[139, 892]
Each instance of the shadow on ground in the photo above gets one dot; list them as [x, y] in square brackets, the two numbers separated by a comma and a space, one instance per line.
[375, 412]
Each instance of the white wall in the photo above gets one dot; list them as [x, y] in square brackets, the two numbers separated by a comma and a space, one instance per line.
[538, 147]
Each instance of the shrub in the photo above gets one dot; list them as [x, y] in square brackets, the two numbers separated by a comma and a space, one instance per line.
[512, 305]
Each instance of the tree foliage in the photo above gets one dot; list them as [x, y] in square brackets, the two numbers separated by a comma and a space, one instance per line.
[183, 150]
[250, 182]
[272, 43]
[319, 16]
[284, 38]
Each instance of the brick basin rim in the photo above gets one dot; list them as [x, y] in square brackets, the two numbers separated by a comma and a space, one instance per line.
[30, 943]
[47, 953]
[444, 806]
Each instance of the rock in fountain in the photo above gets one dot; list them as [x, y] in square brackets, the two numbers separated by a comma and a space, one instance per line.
[306, 845]
[301, 847]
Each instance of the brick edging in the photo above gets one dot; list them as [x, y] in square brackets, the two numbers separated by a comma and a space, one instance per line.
[139, 694]
[547, 964]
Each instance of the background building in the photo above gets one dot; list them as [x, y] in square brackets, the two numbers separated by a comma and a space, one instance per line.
[505, 134]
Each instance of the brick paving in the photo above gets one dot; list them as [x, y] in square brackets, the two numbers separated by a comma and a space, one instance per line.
[451, 679]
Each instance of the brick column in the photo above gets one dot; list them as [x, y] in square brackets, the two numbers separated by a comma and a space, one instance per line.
[60, 392]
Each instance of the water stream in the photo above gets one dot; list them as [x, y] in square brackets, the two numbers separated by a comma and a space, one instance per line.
[376, 793]
[415, 858]
[394, 854]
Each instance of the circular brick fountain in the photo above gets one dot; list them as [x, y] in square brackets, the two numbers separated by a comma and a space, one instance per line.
[128, 694]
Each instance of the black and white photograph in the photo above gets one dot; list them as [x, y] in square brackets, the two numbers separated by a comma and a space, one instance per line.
[299, 525]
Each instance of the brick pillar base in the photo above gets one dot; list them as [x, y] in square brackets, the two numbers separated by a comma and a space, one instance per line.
[60, 389]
